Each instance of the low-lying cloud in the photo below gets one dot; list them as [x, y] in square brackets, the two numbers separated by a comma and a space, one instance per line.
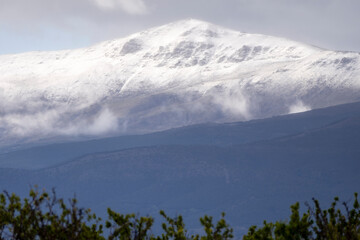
[233, 103]
[58, 123]
[105, 122]
[298, 107]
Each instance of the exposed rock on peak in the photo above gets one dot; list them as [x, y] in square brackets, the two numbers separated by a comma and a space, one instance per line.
[181, 73]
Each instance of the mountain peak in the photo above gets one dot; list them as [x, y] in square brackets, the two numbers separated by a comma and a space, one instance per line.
[185, 28]
[185, 72]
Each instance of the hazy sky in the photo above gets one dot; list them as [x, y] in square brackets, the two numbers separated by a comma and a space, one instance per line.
[27, 25]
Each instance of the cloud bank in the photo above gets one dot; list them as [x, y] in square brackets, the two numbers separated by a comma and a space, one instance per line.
[59, 122]
[134, 7]
[298, 107]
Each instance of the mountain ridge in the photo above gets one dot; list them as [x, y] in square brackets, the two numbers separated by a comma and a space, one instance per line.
[225, 134]
[174, 75]
[249, 182]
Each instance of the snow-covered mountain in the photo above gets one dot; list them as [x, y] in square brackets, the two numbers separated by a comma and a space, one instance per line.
[178, 74]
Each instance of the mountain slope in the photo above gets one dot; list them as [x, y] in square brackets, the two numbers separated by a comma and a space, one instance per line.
[203, 134]
[251, 182]
[178, 74]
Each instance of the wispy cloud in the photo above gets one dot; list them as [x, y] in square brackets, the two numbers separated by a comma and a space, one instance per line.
[233, 103]
[298, 107]
[133, 7]
[52, 123]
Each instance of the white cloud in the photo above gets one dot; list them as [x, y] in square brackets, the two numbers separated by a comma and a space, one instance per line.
[51, 123]
[298, 107]
[133, 7]
[105, 4]
[233, 103]
[104, 123]
[24, 125]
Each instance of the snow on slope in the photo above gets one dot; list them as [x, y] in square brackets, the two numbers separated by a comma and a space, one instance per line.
[177, 74]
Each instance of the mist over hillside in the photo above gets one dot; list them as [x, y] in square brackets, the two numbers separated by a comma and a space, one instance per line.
[252, 170]
[203, 134]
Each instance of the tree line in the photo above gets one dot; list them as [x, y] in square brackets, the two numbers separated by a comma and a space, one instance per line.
[44, 216]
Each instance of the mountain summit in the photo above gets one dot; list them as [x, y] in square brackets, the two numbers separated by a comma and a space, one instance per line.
[178, 74]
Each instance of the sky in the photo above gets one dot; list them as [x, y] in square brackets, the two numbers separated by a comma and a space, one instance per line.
[66, 24]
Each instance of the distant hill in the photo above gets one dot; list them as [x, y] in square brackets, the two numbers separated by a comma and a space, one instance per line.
[203, 134]
[252, 170]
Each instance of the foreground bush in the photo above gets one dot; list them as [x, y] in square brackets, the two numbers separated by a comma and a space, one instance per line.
[44, 216]
[316, 223]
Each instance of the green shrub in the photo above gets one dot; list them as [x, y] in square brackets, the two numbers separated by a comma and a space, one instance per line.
[334, 223]
[44, 216]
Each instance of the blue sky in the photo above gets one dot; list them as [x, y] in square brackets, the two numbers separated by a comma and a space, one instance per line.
[63, 24]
